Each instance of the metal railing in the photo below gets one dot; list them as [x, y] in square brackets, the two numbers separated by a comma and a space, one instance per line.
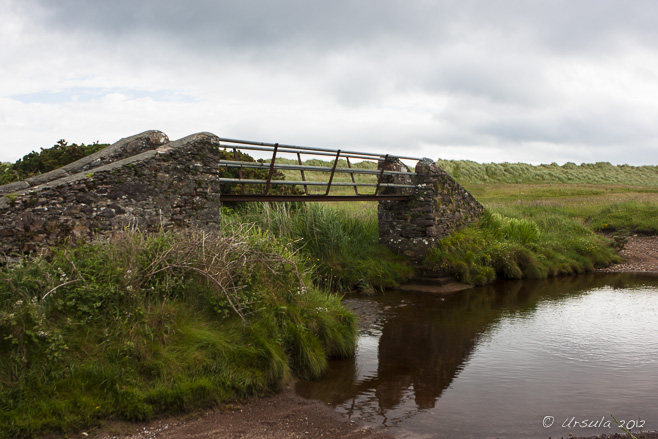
[380, 178]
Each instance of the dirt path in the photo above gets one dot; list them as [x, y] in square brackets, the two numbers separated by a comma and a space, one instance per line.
[287, 416]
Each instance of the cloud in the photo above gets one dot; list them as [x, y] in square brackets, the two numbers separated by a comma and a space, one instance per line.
[516, 78]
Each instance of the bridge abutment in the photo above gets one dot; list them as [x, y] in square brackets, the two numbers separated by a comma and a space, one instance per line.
[437, 207]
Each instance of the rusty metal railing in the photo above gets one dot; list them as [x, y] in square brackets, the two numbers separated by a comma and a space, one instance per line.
[380, 178]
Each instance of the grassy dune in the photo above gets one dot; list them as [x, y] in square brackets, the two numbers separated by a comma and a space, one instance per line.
[569, 173]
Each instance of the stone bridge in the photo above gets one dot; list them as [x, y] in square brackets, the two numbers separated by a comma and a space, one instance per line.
[148, 182]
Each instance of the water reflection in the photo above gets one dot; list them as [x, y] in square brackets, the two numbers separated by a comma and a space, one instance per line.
[429, 364]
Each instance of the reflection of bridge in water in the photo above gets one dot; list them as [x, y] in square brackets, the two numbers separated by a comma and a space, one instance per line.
[418, 344]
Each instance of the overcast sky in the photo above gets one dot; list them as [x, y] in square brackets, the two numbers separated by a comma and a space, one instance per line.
[535, 81]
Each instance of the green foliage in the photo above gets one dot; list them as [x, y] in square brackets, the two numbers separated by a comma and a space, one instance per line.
[341, 245]
[46, 160]
[252, 174]
[513, 248]
[627, 217]
[469, 172]
[158, 324]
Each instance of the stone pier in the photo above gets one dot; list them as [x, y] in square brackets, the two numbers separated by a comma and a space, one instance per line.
[438, 207]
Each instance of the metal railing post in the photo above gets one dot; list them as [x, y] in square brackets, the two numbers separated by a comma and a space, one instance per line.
[356, 191]
[299, 160]
[333, 171]
[269, 177]
[381, 174]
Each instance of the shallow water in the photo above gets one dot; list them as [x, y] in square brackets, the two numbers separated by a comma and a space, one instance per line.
[502, 361]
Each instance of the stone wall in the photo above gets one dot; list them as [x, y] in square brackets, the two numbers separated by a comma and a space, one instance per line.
[438, 207]
[122, 149]
[147, 182]
[159, 184]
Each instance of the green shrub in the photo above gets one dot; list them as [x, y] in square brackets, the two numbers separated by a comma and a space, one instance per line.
[46, 160]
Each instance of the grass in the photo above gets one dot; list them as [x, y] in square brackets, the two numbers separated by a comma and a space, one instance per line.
[340, 240]
[159, 324]
[533, 229]
[499, 246]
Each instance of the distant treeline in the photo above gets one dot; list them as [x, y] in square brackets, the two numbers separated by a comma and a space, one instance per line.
[46, 160]
[466, 171]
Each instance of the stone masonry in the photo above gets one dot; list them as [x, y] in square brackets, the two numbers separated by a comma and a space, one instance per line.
[124, 148]
[143, 182]
[438, 207]
[147, 182]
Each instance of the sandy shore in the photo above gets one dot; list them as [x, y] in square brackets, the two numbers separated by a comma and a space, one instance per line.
[287, 416]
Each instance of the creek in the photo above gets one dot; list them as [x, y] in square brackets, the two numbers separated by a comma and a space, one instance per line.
[517, 359]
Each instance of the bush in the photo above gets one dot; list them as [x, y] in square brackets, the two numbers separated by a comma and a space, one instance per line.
[48, 159]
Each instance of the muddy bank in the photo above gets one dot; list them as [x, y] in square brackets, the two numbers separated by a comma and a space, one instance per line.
[282, 416]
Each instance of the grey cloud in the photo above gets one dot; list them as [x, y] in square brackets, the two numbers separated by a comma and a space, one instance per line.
[488, 63]
[249, 24]
[564, 25]
[601, 128]
[322, 27]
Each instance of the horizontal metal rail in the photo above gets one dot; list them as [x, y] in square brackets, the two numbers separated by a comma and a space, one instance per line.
[311, 183]
[311, 197]
[269, 169]
[258, 165]
[312, 150]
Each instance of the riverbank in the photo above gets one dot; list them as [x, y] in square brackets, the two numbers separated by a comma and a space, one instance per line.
[640, 254]
[287, 415]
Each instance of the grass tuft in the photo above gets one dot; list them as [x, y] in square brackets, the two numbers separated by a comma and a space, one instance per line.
[153, 324]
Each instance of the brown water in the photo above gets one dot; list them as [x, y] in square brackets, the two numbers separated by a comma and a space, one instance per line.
[503, 361]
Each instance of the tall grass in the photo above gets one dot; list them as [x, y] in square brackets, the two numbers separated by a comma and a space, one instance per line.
[340, 241]
[498, 246]
[466, 171]
[158, 324]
